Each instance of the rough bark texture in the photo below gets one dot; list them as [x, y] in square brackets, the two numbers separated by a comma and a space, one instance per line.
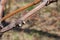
[47, 22]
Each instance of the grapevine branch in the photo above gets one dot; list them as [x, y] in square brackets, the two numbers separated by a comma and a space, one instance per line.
[24, 17]
[20, 9]
[20, 20]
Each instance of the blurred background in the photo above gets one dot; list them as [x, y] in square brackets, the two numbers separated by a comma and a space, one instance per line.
[46, 19]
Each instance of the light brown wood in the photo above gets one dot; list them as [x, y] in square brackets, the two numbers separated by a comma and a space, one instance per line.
[2, 5]
[20, 9]
[18, 21]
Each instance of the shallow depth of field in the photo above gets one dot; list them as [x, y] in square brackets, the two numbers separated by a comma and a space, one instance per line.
[32, 30]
